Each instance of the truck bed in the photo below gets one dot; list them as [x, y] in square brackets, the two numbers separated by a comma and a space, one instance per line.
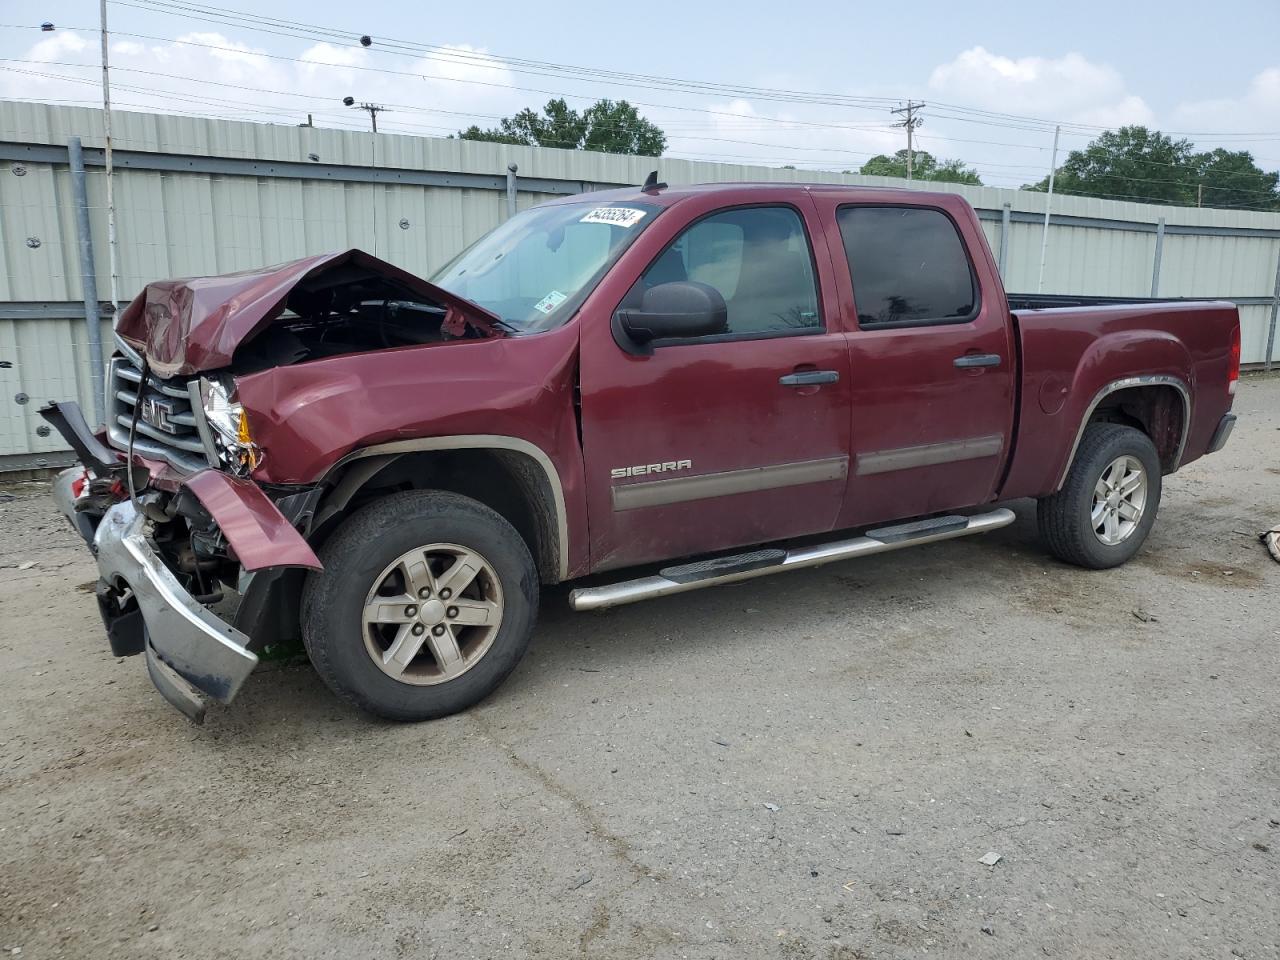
[1075, 348]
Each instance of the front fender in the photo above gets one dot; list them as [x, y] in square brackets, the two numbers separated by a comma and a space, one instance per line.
[254, 527]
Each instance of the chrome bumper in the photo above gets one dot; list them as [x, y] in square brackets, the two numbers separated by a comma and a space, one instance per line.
[189, 650]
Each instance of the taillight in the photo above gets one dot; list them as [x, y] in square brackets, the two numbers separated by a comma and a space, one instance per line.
[1233, 368]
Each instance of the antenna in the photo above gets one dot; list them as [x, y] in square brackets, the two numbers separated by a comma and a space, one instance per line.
[651, 184]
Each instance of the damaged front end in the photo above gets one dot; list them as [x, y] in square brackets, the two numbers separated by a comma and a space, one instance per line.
[166, 558]
[164, 493]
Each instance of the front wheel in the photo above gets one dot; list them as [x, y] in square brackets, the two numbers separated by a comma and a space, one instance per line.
[426, 603]
[1103, 513]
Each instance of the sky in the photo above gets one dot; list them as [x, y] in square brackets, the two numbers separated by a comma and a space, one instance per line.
[808, 85]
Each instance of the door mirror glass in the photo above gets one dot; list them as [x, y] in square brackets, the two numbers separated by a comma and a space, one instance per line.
[681, 308]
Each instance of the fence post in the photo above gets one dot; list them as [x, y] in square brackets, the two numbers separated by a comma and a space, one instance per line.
[1271, 327]
[88, 277]
[511, 189]
[1003, 260]
[1155, 267]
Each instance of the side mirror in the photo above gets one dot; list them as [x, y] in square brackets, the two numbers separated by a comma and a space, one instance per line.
[684, 308]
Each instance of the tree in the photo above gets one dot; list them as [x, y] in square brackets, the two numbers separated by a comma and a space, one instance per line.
[1232, 179]
[606, 126]
[923, 167]
[1134, 163]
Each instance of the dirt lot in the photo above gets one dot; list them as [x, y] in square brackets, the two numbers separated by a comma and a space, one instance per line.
[807, 766]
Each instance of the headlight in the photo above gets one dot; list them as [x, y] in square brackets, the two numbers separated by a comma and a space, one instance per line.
[229, 426]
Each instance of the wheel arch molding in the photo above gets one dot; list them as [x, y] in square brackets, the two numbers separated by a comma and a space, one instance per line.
[526, 488]
[1150, 389]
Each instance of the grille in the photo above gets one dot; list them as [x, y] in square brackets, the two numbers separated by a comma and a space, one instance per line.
[170, 427]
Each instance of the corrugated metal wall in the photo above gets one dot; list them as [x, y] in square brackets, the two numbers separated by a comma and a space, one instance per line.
[197, 197]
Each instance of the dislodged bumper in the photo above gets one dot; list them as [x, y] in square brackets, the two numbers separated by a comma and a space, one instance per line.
[189, 649]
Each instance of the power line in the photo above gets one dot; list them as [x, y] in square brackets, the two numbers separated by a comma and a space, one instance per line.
[223, 103]
[281, 27]
[773, 122]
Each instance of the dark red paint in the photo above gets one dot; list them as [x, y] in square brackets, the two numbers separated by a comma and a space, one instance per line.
[257, 531]
[716, 404]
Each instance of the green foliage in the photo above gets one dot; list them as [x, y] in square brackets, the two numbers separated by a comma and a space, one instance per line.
[1134, 163]
[607, 126]
[924, 166]
[1233, 179]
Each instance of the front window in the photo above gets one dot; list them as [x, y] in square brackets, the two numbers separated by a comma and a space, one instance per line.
[535, 270]
[758, 258]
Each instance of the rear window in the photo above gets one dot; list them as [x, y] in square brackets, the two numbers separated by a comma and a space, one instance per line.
[909, 266]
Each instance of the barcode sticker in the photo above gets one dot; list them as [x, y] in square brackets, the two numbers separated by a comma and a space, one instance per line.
[617, 216]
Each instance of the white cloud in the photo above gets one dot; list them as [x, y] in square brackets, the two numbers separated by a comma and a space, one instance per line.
[57, 47]
[1069, 88]
[1257, 108]
[740, 131]
[215, 74]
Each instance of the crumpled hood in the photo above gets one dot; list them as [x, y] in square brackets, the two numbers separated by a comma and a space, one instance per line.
[194, 324]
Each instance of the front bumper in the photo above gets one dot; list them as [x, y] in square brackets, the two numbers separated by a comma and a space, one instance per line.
[189, 650]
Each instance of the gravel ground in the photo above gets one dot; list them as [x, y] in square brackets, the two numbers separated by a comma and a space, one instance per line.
[806, 766]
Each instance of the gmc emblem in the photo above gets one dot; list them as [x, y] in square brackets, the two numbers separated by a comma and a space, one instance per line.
[157, 412]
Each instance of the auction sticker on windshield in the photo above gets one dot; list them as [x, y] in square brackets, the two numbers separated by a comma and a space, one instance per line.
[550, 301]
[617, 216]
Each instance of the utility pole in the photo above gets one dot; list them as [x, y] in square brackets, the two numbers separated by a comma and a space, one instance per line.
[1048, 206]
[910, 121]
[106, 130]
[1199, 194]
[374, 110]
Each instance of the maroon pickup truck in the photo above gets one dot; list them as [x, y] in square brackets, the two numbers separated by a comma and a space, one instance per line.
[703, 382]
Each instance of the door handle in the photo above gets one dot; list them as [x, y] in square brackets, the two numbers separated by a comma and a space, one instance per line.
[807, 378]
[971, 360]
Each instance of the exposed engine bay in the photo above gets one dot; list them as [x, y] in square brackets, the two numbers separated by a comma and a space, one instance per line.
[370, 325]
[308, 309]
[349, 309]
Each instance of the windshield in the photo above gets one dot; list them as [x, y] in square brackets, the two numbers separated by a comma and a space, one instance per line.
[535, 270]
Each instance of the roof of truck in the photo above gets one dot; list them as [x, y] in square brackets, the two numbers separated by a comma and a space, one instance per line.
[666, 196]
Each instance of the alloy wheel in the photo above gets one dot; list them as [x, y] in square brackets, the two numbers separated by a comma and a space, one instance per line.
[432, 613]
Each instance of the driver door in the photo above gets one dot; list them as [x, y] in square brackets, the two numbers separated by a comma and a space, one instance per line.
[727, 440]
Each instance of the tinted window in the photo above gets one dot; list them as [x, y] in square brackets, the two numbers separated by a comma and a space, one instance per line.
[759, 260]
[908, 266]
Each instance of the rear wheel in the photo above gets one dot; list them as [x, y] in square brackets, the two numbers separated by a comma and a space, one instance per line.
[426, 603]
[1103, 513]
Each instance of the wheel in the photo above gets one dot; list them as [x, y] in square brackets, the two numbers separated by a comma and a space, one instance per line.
[426, 603]
[1103, 513]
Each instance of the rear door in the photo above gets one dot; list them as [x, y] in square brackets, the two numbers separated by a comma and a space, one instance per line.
[932, 362]
[726, 440]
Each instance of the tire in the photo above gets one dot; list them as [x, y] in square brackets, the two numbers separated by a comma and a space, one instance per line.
[364, 565]
[1066, 518]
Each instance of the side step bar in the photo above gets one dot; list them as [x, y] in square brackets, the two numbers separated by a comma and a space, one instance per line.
[758, 563]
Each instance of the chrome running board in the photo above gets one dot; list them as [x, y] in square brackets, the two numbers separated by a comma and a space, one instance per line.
[759, 563]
